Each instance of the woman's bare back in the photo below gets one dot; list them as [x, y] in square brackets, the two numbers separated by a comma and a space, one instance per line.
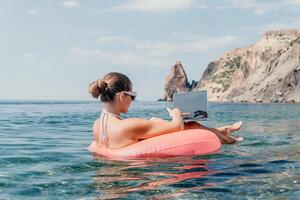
[115, 133]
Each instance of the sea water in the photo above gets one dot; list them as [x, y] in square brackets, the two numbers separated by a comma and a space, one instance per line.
[43, 155]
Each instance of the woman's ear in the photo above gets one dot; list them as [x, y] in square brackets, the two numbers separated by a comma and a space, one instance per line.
[122, 96]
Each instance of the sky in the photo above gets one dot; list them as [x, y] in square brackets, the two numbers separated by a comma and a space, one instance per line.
[53, 49]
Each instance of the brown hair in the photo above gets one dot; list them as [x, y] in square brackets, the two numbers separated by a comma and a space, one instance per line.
[109, 85]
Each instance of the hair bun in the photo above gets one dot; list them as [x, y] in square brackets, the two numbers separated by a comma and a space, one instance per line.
[94, 90]
[98, 87]
[102, 86]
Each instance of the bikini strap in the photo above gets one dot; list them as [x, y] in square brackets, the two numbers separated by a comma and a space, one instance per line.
[105, 111]
[103, 125]
[103, 128]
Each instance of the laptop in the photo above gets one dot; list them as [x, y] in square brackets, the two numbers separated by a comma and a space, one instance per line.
[194, 103]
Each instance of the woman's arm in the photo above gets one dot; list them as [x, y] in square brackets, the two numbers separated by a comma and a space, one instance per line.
[142, 129]
[157, 119]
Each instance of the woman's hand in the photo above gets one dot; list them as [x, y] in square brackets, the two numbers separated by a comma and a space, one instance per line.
[176, 112]
[176, 116]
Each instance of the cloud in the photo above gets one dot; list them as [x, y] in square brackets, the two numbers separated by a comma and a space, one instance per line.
[154, 5]
[287, 23]
[260, 11]
[201, 44]
[292, 2]
[70, 4]
[202, 6]
[149, 47]
[163, 48]
[29, 57]
[185, 42]
[189, 43]
[105, 39]
[33, 11]
[123, 58]
[147, 52]
[261, 7]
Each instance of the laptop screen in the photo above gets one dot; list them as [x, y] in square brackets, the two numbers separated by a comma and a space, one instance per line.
[194, 103]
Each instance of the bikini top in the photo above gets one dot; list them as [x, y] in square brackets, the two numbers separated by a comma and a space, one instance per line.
[103, 124]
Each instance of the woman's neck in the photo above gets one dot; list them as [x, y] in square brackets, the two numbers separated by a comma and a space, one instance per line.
[111, 109]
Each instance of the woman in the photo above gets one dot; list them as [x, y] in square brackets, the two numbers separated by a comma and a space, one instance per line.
[115, 91]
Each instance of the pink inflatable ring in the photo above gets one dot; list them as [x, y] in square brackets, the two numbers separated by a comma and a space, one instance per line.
[181, 143]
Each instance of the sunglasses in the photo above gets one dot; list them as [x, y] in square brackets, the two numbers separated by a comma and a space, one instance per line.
[131, 94]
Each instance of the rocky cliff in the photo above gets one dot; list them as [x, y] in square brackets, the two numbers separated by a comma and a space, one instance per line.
[268, 71]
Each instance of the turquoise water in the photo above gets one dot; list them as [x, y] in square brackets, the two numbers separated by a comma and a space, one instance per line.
[43, 155]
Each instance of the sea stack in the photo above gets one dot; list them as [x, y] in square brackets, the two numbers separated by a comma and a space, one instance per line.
[176, 81]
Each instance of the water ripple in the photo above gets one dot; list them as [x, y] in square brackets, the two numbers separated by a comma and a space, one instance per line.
[43, 155]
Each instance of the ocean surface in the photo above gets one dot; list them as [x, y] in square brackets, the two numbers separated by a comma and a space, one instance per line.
[43, 155]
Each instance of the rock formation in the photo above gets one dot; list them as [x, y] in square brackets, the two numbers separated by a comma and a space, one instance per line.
[176, 81]
[268, 71]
